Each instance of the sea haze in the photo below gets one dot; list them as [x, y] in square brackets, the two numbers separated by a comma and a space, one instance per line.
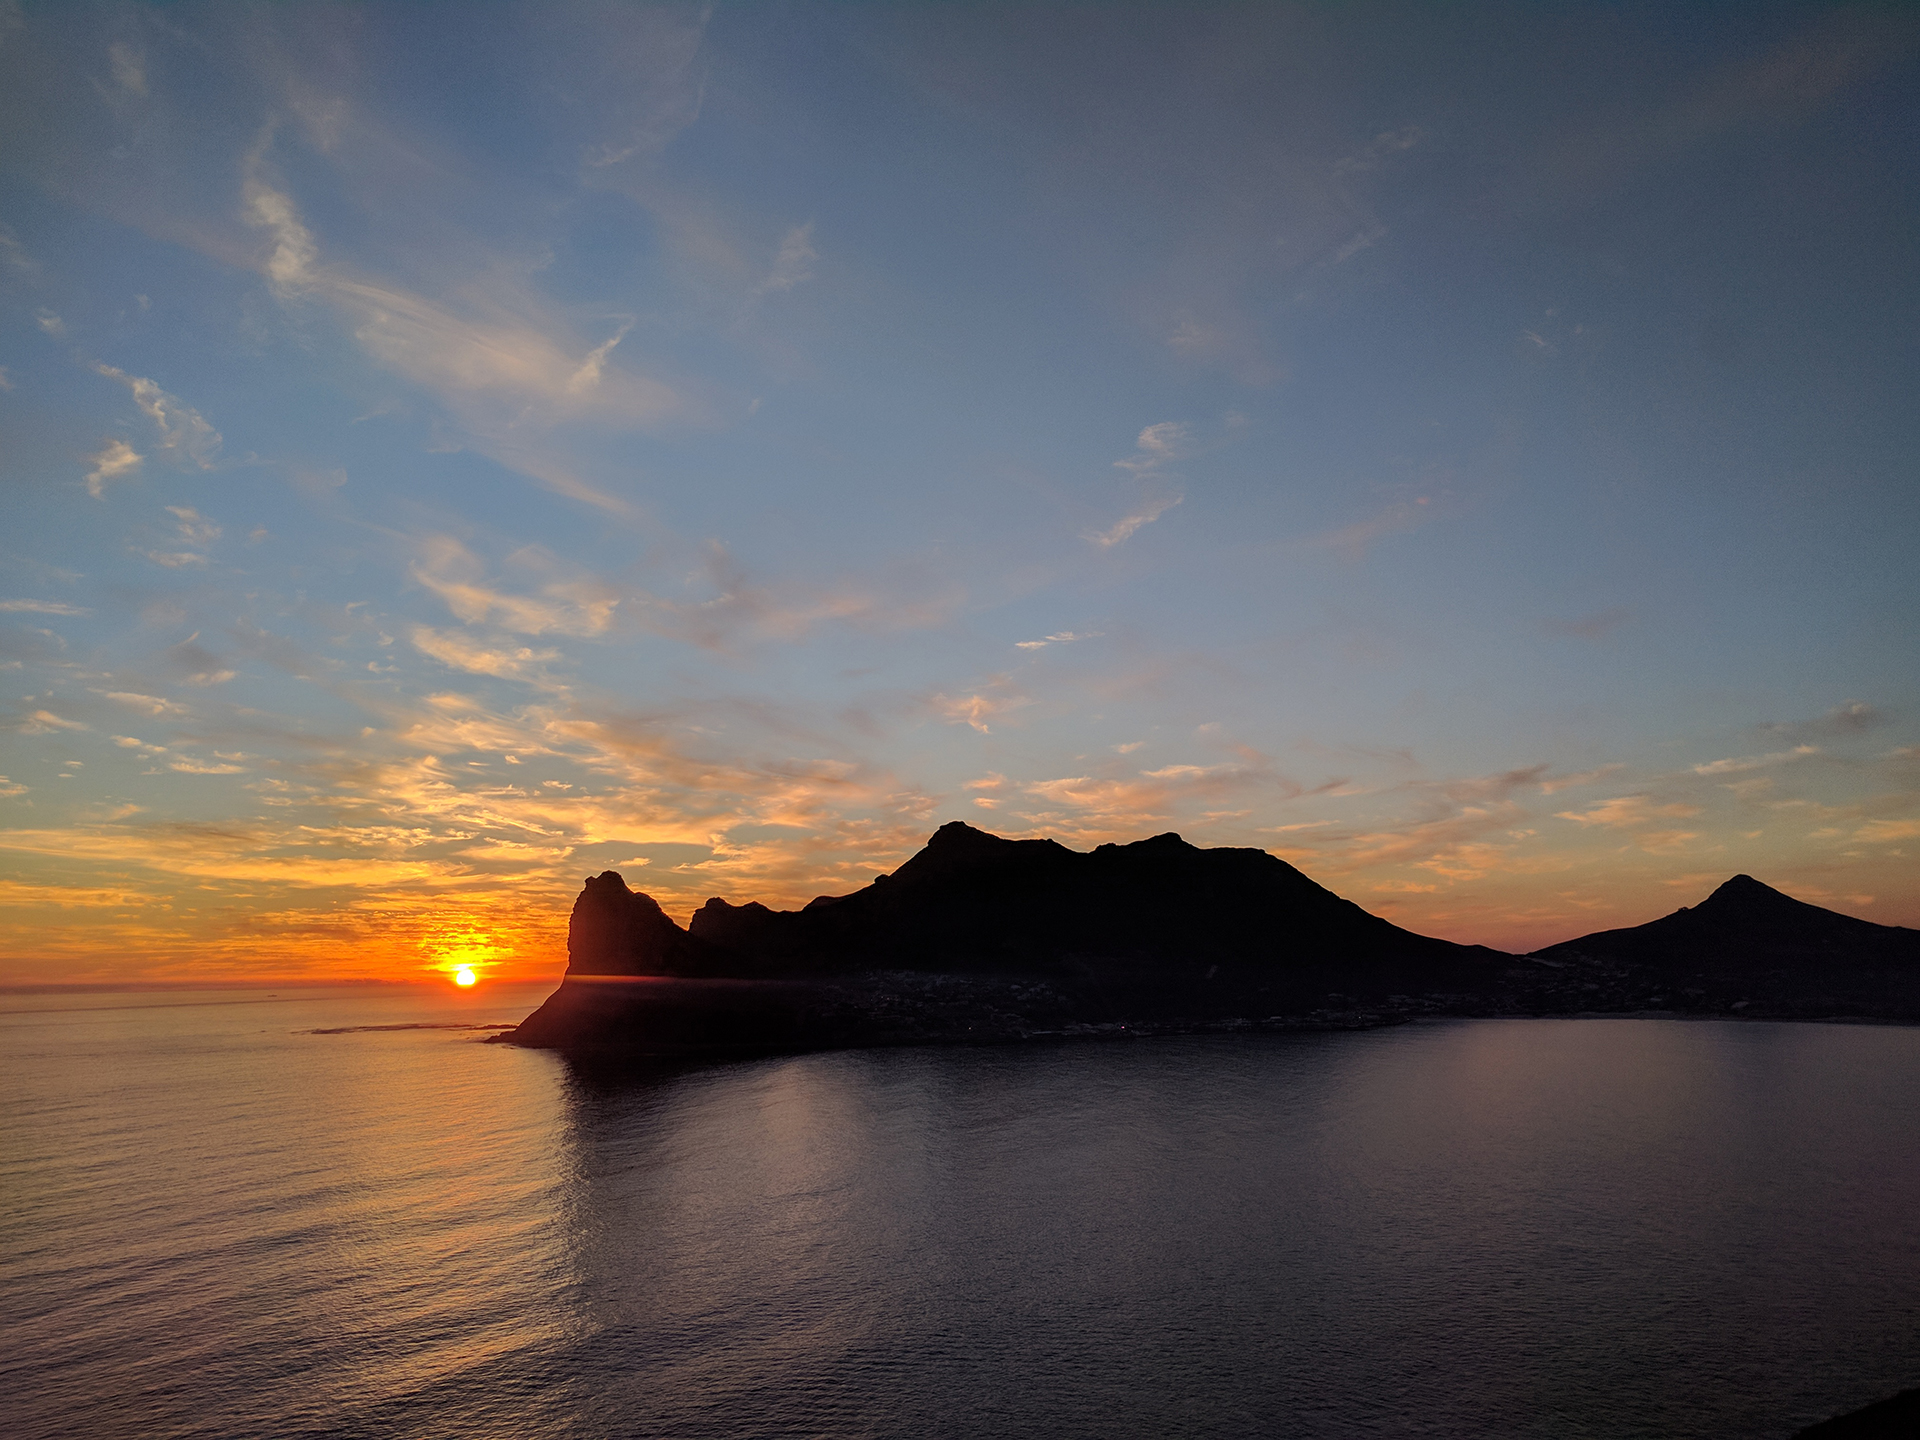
[228, 1214]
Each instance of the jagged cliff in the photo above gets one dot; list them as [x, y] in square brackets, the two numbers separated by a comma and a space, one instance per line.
[616, 931]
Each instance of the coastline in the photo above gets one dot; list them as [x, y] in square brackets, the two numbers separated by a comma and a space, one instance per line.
[733, 1019]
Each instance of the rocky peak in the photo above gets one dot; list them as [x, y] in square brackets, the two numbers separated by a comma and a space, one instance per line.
[617, 931]
[1745, 891]
[1744, 902]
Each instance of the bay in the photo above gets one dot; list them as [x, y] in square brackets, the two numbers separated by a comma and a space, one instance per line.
[228, 1214]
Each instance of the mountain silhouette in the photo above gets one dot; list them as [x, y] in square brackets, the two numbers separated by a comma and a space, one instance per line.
[980, 938]
[1744, 950]
[971, 902]
[1747, 923]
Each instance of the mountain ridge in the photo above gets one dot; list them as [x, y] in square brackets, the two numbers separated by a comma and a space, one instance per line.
[977, 937]
[974, 901]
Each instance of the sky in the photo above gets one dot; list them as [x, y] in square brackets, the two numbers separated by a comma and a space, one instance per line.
[448, 451]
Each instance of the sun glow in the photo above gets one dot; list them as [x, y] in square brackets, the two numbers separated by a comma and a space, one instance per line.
[464, 946]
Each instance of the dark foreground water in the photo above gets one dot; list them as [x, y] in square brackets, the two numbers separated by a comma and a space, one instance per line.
[215, 1222]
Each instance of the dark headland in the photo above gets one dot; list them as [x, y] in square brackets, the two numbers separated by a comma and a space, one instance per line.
[980, 939]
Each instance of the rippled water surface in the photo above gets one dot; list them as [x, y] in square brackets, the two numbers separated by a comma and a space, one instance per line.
[215, 1221]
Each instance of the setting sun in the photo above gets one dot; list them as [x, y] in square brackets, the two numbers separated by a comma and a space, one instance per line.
[460, 946]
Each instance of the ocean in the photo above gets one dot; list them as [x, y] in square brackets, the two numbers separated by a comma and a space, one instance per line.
[231, 1214]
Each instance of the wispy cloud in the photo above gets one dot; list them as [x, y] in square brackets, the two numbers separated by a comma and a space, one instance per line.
[1787, 82]
[463, 653]
[211, 853]
[1364, 240]
[1496, 786]
[1353, 541]
[1065, 637]
[1157, 447]
[1852, 717]
[1462, 829]
[1193, 774]
[1877, 832]
[1225, 339]
[1384, 146]
[14, 255]
[197, 664]
[794, 264]
[191, 530]
[978, 708]
[729, 608]
[508, 369]
[571, 606]
[186, 765]
[129, 68]
[1460, 846]
[588, 375]
[1666, 842]
[1627, 811]
[195, 528]
[641, 67]
[492, 360]
[45, 722]
[156, 705]
[1119, 802]
[42, 607]
[289, 267]
[1148, 512]
[1734, 764]
[1583, 777]
[1115, 801]
[115, 459]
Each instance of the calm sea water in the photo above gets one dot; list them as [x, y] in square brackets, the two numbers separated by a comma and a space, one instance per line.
[214, 1221]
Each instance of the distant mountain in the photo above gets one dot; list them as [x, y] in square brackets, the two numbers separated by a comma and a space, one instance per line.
[982, 936]
[1747, 923]
[1746, 949]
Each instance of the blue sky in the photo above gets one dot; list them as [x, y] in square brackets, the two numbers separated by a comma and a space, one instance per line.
[449, 450]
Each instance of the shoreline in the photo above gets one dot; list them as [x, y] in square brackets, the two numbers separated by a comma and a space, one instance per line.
[615, 1035]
